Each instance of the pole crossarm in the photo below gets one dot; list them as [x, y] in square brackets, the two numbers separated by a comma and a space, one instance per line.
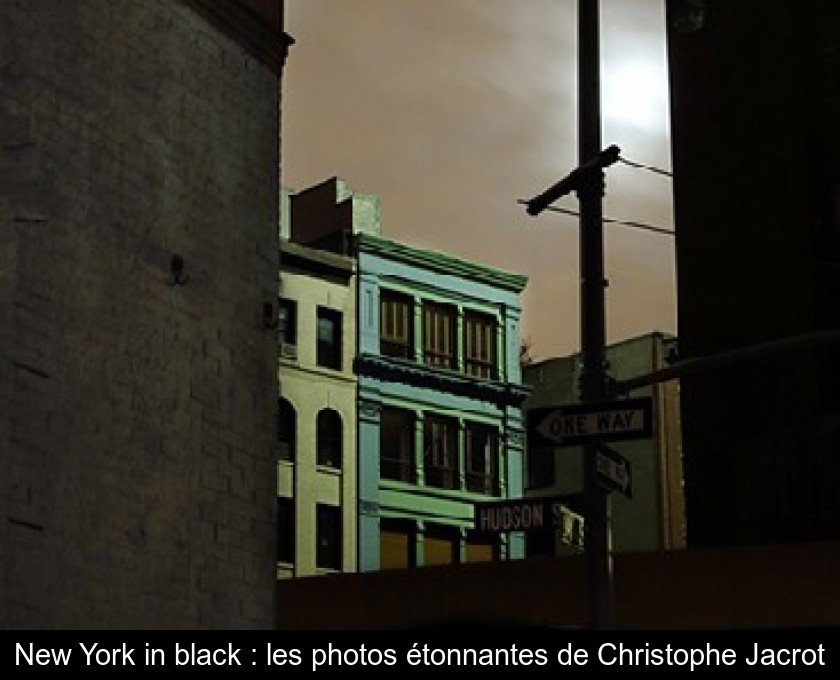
[698, 364]
[574, 181]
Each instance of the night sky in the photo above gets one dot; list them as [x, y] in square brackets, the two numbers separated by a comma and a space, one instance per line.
[452, 111]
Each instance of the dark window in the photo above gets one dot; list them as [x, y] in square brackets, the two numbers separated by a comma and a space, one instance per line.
[397, 544]
[480, 345]
[439, 328]
[396, 318]
[396, 445]
[482, 458]
[440, 452]
[441, 545]
[286, 430]
[328, 529]
[329, 438]
[329, 338]
[285, 530]
[287, 325]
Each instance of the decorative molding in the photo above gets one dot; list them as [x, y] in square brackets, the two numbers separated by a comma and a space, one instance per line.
[369, 409]
[390, 369]
[440, 262]
[516, 438]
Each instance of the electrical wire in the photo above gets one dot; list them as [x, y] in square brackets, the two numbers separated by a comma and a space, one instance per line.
[651, 168]
[607, 220]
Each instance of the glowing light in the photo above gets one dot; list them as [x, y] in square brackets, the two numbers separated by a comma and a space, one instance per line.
[634, 93]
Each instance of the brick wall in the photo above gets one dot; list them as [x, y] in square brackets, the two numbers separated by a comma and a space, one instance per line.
[137, 417]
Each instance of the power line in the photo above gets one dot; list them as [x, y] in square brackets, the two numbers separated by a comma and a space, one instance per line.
[651, 168]
[624, 223]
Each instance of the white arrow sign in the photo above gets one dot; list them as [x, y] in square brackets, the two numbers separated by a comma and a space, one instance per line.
[574, 424]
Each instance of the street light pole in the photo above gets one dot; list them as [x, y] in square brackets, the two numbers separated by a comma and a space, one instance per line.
[598, 551]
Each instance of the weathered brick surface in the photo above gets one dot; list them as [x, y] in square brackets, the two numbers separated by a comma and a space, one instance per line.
[136, 417]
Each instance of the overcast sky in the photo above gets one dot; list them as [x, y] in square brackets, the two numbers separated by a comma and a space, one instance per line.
[453, 110]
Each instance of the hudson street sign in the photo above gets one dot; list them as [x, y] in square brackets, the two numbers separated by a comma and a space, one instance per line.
[522, 514]
[576, 424]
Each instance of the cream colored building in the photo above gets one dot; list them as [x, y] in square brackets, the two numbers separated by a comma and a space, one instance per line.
[316, 469]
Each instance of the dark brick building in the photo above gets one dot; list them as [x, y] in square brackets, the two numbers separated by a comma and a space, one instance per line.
[139, 175]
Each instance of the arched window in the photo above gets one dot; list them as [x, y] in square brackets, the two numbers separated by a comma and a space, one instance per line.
[329, 438]
[286, 430]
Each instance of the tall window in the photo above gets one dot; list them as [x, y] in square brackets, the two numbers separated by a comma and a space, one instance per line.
[441, 545]
[395, 324]
[286, 430]
[287, 324]
[397, 544]
[329, 338]
[439, 328]
[329, 438]
[482, 458]
[440, 452]
[396, 445]
[480, 345]
[285, 530]
[328, 530]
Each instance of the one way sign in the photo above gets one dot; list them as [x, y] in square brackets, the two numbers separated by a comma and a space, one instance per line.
[576, 424]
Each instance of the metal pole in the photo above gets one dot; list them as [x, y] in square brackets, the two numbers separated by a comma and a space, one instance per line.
[598, 548]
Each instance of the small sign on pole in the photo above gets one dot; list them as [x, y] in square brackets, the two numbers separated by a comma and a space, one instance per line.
[613, 470]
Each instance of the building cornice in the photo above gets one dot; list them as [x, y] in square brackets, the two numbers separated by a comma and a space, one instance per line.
[315, 261]
[440, 262]
[264, 41]
[391, 369]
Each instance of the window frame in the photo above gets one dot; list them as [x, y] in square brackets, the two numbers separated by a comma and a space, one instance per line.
[480, 338]
[405, 439]
[287, 322]
[286, 530]
[440, 335]
[328, 353]
[286, 436]
[444, 536]
[328, 537]
[485, 480]
[393, 305]
[329, 434]
[397, 527]
[440, 452]
[476, 541]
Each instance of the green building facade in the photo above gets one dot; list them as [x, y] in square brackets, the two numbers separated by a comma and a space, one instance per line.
[440, 418]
